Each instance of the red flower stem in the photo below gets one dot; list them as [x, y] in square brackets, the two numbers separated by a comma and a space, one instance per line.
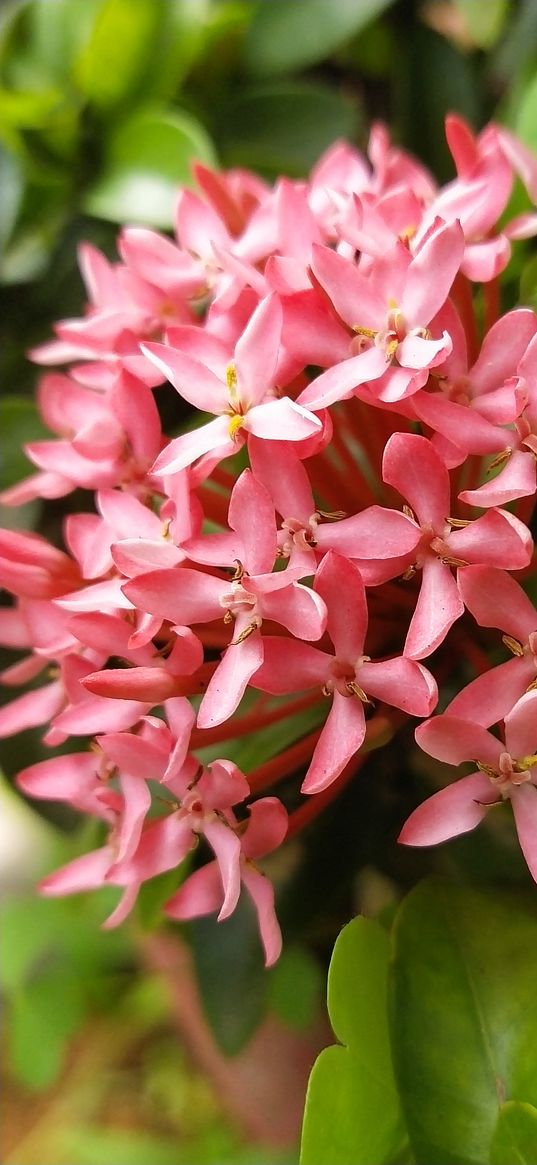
[283, 765]
[462, 295]
[259, 717]
[491, 299]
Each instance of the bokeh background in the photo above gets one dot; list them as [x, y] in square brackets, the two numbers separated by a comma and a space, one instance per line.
[112, 1054]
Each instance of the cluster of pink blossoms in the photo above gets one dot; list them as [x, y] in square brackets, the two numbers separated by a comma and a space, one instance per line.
[337, 513]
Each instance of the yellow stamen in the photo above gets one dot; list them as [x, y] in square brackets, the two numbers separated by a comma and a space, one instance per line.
[500, 459]
[235, 424]
[514, 646]
[458, 523]
[249, 630]
[370, 333]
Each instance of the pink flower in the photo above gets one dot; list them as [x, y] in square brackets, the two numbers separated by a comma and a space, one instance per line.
[348, 676]
[504, 773]
[202, 892]
[239, 389]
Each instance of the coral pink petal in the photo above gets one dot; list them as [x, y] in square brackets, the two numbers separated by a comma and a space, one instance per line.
[524, 802]
[281, 420]
[431, 274]
[338, 382]
[297, 608]
[137, 800]
[489, 697]
[498, 538]
[454, 810]
[518, 479]
[400, 682]
[251, 515]
[192, 379]
[84, 873]
[438, 607]
[163, 845]
[183, 596]
[340, 584]
[261, 892]
[256, 353]
[459, 423]
[31, 709]
[291, 666]
[454, 740]
[228, 684]
[521, 727]
[340, 739]
[497, 600]
[184, 450]
[61, 777]
[411, 465]
[376, 532]
[266, 829]
[200, 894]
[227, 849]
[349, 290]
[418, 352]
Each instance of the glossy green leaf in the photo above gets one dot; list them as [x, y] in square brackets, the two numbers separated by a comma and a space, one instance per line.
[515, 1137]
[291, 34]
[113, 62]
[352, 1108]
[147, 158]
[463, 1015]
[284, 128]
[484, 21]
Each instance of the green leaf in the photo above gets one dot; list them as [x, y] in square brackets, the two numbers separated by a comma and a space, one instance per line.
[19, 423]
[515, 1137]
[147, 158]
[431, 80]
[284, 128]
[464, 1015]
[12, 185]
[58, 32]
[26, 936]
[290, 34]
[294, 987]
[352, 1109]
[116, 57]
[526, 121]
[231, 975]
[41, 1021]
[484, 21]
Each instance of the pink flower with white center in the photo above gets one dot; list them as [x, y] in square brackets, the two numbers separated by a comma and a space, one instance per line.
[254, 593]
[347, 676]
[505, 772]
[389, 310]
[240, 391]
[201, 894]
[412, 466]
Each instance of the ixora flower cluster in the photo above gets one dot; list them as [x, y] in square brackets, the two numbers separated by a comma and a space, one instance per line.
[291, 561]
